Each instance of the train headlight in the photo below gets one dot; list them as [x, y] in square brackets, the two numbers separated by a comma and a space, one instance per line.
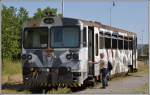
[75, 56]
[23, 56]
[29, 57]
[68, 56]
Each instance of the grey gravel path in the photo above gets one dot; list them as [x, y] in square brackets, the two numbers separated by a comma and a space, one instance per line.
[119, 86]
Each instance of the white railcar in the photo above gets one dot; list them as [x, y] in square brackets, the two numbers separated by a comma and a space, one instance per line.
[56, 50]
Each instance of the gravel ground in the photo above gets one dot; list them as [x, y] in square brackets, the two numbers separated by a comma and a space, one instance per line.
[131, 84]
[127, 85]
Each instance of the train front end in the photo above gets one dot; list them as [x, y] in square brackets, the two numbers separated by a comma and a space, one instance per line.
[51, 53]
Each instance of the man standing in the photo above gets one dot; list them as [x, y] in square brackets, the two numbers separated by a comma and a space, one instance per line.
[104, 71]
[103, 67]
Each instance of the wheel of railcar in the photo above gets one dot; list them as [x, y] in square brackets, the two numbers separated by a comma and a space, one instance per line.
[92, 82]
[55, 87]
[74, 89]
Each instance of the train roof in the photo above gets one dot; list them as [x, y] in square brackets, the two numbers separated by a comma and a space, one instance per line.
[73, 21]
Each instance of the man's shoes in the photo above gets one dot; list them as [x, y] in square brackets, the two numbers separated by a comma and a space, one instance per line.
[106, 84]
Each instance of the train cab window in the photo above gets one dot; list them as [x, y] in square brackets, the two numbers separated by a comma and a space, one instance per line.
[35, 38]
[69, 37]
[96, 44]
[84, 37]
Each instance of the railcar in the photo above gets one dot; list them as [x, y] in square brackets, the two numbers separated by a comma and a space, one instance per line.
[56, 50]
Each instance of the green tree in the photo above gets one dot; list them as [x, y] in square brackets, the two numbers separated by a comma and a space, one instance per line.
[42, 13]
[12, 21]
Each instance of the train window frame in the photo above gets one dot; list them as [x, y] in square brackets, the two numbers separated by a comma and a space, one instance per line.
[23, 37]
[107, 34]
[84, 37]
[79, 40]
[96, 44]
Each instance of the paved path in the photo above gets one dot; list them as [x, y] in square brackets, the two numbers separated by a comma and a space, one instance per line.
[119, 85]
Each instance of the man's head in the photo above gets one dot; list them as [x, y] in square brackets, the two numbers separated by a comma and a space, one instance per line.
[101, 55]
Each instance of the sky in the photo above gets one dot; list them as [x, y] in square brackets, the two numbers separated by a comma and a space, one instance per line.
[131, 15]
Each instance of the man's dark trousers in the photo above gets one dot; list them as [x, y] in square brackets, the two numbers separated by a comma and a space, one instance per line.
[104, 77]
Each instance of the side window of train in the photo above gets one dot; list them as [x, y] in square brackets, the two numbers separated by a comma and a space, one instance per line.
[125, 43]
[101, 40]
[120, 42]
[96, 44]
[107, 41]
[130, 43]
[84, 37]
[114, 41]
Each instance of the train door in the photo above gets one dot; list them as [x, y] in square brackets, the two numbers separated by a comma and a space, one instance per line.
[136, 64]
[134, 53]
[91, 49]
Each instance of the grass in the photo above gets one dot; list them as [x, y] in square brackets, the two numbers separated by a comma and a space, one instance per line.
[59, 91]
[10, 91]
[11, 67]
[143, 68]
[11, 70]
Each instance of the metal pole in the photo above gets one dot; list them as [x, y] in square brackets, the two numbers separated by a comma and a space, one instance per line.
[1, 53]
[110, 16]
[148, 25]
[111, 10]
[142, 42]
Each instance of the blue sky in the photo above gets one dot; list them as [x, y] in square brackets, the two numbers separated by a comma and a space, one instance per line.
[131, 15]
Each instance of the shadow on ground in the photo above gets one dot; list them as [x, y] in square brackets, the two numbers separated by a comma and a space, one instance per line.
[18, 87]
[135, 75]
[23, 88]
